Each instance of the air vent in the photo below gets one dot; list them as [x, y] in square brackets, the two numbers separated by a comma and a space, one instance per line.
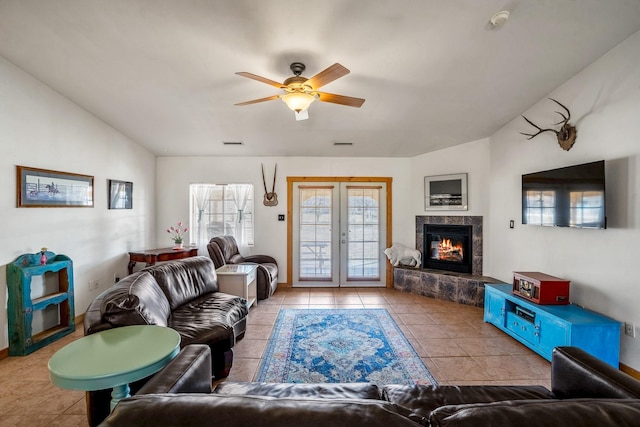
[233, 142]
[343, 144]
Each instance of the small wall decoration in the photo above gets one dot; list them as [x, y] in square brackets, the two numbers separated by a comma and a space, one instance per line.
[567, 133]
[42, 188]
[120, 194]
[445, 192]
[270, 197]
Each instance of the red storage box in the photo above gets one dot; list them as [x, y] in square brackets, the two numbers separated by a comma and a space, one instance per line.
[541, 288]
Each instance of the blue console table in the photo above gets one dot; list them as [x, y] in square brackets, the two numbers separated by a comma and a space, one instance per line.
[543, 327]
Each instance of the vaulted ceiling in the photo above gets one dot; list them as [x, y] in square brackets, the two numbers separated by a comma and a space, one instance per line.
[434, 73]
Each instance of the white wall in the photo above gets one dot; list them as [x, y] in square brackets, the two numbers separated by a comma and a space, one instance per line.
[471, 158]
[40, 128]
[176, 173]
[604, 100]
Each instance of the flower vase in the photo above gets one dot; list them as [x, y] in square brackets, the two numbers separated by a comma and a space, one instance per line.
[43, 258]
[178, 246]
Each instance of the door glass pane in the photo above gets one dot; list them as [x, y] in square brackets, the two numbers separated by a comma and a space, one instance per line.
[315, 234]
[363, 259]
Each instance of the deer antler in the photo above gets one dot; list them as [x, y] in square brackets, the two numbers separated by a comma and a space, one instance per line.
[540, 130]
[566, 134]
[565, 118]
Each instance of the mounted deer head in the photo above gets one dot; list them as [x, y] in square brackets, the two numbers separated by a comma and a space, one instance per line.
[567, 133]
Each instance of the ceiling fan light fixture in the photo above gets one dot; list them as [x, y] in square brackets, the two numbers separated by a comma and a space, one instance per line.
[298, 101]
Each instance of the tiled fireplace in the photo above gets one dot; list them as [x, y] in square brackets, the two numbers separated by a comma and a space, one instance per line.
[451, 248]
[475, 222]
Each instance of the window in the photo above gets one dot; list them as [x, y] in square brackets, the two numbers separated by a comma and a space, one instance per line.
[222, 210]
[541, 207]
[586, 208]
[315, 233]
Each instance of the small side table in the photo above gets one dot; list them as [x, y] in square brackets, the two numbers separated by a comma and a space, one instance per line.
[113, 359]
[240, 280]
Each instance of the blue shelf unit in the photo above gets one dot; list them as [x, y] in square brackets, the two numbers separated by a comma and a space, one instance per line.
[21, 306]
[543, 327]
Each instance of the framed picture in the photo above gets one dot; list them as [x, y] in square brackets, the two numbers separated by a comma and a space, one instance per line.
[42, 188]
[445, 192]
[120, 194]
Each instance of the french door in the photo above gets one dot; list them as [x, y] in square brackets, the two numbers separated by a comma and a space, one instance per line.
[339, 233]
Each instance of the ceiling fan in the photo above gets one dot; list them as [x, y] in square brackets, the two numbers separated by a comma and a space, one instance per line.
[300, 92]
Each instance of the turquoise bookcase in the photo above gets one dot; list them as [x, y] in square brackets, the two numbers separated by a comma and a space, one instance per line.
[22, 306]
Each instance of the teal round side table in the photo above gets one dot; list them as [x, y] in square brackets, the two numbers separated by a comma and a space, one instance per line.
[113, 359]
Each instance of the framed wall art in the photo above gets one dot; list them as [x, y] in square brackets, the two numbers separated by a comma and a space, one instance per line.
[43, 188]
[120, 194]
[445, 192]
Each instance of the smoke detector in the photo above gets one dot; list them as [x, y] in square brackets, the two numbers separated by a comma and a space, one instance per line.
[499, 19]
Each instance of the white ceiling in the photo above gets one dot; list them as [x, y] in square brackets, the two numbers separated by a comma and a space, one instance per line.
[432, 72]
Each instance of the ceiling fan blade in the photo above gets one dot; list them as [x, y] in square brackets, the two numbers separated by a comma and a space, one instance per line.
[327, 76]
[261, 79]
[255, 101]
[340, 99]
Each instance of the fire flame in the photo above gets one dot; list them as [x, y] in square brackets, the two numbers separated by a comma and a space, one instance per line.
[449, 251]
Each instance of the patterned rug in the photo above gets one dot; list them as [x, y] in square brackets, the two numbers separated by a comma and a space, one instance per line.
[341, 346]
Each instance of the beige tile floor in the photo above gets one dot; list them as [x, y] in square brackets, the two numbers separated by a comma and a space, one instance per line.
[452, 340]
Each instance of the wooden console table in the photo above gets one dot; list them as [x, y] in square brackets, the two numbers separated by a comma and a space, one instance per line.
[151, 256]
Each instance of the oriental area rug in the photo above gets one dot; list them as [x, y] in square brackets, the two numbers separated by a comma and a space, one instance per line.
[340, 346]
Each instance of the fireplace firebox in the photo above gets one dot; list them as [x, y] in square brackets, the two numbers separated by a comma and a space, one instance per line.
[448, 247]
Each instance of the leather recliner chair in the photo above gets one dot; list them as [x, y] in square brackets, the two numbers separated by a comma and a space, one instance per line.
[224, 250]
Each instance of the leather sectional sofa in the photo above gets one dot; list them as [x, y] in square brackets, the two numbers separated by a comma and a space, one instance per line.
[182, 295]
[584, 392]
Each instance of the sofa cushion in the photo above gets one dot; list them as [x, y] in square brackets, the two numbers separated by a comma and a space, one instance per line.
[422, 399]
[324, 391]
[209, 320]
[185, 280]
[541, 413]
[135, 300]
[241, 411]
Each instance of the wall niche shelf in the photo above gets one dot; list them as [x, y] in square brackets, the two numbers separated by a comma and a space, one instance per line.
[54, 309]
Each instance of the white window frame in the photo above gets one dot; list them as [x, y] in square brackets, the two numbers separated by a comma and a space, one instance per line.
[219, 208]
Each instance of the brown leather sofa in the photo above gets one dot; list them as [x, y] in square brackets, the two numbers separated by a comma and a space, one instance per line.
[224, 250]
[182, 295]
[584, 392]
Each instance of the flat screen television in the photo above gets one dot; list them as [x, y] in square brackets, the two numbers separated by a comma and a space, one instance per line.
[572, 196]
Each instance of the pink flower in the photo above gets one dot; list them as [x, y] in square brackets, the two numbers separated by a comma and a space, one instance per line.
[177, 233]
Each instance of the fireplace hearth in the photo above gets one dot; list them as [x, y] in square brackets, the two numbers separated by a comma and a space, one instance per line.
[448, 247]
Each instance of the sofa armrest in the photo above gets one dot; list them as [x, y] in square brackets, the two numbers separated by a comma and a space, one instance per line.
[260, 259]
[189, 372]
[577, 374]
